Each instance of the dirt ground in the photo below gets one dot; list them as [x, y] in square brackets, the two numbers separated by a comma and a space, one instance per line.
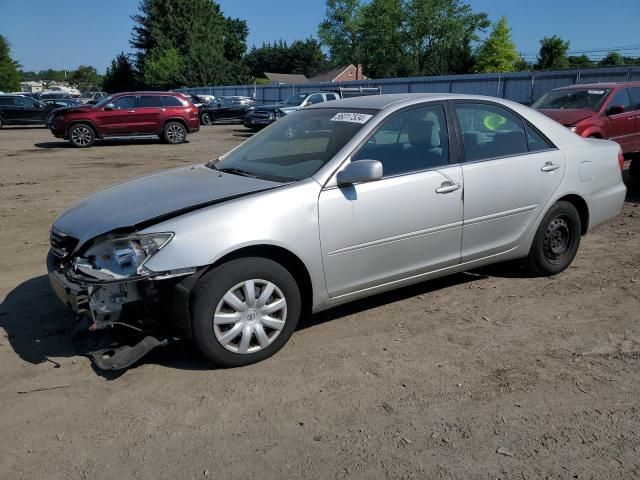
[483, 375]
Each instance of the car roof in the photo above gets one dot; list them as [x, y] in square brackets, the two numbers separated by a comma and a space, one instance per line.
[599, 85]
[380, 102]
[148, 93]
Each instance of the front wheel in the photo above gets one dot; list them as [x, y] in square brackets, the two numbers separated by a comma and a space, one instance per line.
[244, 311]
[557, 240]
[81, 136]
[174, 133]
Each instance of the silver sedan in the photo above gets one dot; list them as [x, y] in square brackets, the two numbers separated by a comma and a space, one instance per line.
[331, 204]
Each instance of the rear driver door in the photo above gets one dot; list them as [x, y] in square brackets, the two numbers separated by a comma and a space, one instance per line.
[510, 174]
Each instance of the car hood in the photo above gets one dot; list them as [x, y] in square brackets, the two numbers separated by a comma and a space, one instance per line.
[75, 108]
[568, 117]
[152, 198]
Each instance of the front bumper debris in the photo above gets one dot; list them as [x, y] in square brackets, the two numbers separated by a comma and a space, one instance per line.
[134, 306]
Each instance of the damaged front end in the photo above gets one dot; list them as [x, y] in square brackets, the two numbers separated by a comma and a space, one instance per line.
[107, 284]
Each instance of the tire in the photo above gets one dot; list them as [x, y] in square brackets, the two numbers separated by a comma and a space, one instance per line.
[174, 133]
[634, 171]
[81, 135]
[243, 336]
[1, 122]
[557, 240]
[206, 119]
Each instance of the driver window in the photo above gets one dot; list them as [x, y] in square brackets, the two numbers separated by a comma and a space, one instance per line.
[124, 103]
[410, 142]
[621, 99]
[315, 98]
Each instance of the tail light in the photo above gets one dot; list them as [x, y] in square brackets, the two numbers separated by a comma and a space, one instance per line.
[621, 159]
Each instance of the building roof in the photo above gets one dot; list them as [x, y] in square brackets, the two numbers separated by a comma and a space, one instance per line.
[286, 78]
[329, 75]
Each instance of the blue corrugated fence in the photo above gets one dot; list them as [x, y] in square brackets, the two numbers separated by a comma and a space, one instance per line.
[523, 87]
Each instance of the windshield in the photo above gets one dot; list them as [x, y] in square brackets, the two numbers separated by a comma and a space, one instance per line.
[87, 95]
[295, 100]
[296, 146]
[104, 101]
[577, 99]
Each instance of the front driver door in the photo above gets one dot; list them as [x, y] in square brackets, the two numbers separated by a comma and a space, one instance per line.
[510, 174]
[621, 127]
[407, 224]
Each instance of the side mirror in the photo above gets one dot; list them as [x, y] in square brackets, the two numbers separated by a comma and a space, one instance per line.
[109, 106]
[615, 110]
[360, 171]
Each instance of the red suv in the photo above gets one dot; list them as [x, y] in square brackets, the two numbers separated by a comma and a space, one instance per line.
[600, 110]
[170, 116]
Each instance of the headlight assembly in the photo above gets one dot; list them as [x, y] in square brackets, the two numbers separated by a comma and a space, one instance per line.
[121, 258]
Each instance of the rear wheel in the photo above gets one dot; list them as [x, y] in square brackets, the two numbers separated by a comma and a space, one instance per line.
[557, 240]
[244, 311]
[1, 122]
[206, 119]
[81, 135]
[174, 133]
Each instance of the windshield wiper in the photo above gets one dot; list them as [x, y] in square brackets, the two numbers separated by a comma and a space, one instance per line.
[237, 171]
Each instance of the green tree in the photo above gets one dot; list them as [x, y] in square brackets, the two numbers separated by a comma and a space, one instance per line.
[86, 78]
[437, 32]
[498, 53]
[303, 57]
[383, 38]
[163, 68]
[612, 59]
[9, 76]
[341, 31]
[522, 65]
[403, 37]
[580, 61]
[553, 54]
[121, 75]
[209, 44]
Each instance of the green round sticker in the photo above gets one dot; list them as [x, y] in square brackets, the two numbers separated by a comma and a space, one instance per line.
[493, 121]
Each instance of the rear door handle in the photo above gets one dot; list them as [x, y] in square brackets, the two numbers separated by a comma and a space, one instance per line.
[550, 167]
[448, 187]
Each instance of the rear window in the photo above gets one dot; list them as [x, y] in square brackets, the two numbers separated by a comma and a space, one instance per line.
[170, 101]
[146, 101]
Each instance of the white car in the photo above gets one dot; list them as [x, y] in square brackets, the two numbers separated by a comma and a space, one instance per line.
[333, 203]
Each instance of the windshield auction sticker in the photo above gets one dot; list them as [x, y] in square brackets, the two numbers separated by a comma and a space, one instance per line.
[351, 117]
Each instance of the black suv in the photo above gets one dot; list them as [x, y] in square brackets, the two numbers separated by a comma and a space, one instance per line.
[21, 110]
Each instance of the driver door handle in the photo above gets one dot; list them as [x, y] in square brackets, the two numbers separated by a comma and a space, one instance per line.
[550, 167]
[448, 187]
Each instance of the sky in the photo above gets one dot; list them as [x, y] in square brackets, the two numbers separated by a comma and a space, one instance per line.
[45, 34]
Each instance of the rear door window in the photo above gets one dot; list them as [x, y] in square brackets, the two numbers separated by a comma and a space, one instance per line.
[170, 101]
[6, 101]
[489, 131]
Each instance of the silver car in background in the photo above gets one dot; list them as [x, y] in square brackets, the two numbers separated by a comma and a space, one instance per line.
[333, 203]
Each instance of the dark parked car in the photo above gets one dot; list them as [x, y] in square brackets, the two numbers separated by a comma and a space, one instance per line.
[92, 97]
[600, 110]
[167, 115]
[225, 108]
[21, 110]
